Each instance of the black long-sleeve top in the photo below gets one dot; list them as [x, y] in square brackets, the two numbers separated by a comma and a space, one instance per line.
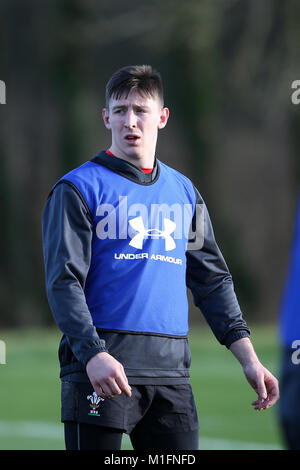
[147, 358]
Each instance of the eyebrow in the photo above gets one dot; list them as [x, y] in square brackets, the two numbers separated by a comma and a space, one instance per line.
[123, 106]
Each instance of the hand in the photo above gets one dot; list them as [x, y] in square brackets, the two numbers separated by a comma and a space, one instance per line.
[264, 383]
[107, 376]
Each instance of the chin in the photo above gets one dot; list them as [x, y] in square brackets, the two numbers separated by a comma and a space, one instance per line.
[135, 154]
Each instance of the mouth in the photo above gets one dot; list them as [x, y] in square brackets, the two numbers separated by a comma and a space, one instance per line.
[132, 138]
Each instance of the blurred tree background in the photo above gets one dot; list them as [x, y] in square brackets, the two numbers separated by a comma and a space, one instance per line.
[227, 67]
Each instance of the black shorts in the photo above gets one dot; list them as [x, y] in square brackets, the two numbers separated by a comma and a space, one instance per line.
[161, 408]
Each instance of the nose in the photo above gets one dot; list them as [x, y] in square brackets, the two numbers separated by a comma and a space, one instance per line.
[130, 119]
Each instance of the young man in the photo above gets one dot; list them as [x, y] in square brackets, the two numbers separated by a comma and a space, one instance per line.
[124, 235]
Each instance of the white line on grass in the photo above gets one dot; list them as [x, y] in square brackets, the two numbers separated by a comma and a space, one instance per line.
[33, 429]
[53, 431]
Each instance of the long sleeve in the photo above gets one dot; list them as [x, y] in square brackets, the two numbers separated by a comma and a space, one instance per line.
[211, 283]
[67, 235]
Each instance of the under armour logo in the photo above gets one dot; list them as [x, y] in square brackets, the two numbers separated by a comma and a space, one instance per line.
[138, 240]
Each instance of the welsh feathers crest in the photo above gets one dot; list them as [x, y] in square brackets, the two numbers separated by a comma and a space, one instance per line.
[94, 403]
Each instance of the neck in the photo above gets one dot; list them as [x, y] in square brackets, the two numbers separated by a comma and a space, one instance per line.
[141, 162]
[145, 170]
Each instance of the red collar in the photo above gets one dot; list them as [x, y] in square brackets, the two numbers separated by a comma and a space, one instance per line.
[144, 170]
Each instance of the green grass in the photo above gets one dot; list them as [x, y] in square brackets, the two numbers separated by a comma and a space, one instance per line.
[30, 392]
[223, 395]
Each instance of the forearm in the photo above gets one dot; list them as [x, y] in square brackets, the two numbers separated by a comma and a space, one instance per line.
[244, 351]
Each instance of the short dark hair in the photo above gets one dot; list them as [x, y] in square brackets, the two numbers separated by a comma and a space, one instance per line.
[142, 78]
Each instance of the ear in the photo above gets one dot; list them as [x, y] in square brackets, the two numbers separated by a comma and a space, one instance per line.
[164, 116]
[105, 115]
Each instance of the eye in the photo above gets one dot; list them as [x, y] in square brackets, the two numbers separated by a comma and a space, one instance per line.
[119, 111]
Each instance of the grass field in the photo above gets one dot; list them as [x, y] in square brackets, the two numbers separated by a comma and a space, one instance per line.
[30, 393]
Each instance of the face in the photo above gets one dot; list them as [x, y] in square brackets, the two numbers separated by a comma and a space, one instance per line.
[134, 123]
